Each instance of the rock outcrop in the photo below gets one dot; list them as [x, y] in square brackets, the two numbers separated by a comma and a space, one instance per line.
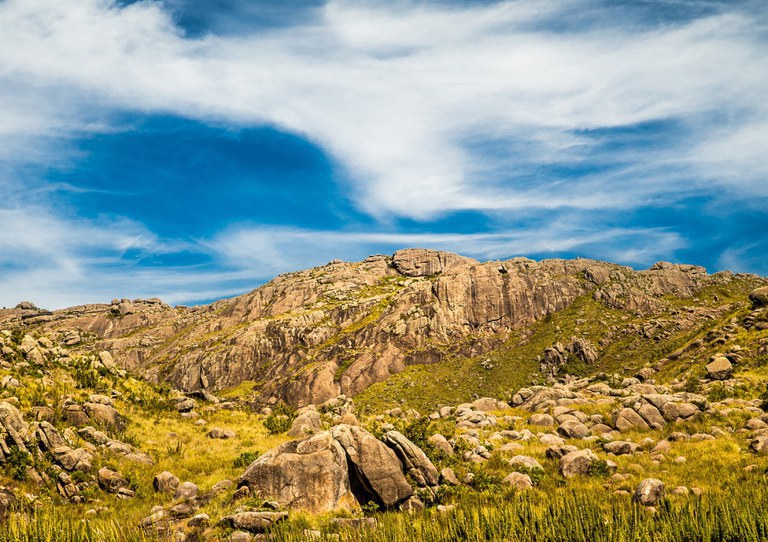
[341, 468]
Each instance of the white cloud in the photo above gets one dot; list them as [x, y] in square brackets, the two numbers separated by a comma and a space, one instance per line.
[277, 250]
[393, 92]
[399, 95]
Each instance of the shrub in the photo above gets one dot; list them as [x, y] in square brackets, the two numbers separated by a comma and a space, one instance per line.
[719, 391]
[281, 418]
[692, 384]
[17, 464]
[245, 459]
[599, 469]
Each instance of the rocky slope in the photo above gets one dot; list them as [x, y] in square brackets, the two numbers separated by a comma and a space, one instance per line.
[309, 336]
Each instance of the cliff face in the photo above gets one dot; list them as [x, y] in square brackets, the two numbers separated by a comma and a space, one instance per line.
[311, 335]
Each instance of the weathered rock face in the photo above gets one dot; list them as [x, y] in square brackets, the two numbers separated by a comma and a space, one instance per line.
[415, 462]
[312, 335]
[341, 468]
[377, 473]
[310, 474]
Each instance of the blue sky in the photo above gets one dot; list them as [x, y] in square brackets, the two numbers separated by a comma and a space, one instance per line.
[193, 149]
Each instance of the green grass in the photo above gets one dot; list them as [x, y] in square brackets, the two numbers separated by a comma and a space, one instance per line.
[576, 515]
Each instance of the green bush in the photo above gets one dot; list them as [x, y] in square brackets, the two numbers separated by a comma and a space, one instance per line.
[692, 384]
[719, 391]
[17, 463]
[599, 469]
[245, 459]
[281, 418]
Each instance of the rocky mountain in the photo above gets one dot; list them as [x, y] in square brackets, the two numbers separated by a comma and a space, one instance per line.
[597, 390]
[308, 336]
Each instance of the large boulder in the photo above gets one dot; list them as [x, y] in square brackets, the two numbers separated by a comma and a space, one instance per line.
[415, 462]
[111, 481]
[104, 415]
[48, 437]
[75, 415]
[72, 459]
[309, 474]
[627, 419]
[759, 445]
[13, 425]
[376, 472]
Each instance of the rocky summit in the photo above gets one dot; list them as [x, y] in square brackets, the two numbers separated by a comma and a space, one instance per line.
[422, 396]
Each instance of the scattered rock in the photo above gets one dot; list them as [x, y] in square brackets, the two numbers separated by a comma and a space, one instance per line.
[649, 492]
[519, 480]
[218, 433]
[165, 482]
[719, 369]
[185, 491]
[759, 297]
[254, 522]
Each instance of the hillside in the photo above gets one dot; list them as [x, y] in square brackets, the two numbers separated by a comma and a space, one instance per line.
[517, 400]
[481, 328]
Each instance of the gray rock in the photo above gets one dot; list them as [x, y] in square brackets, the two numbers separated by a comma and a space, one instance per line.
[649, 492]
[71, 460]
[448, 477]
[559, 451]
[720, 369]
[440, 443]
[111, 481]
[375, 466]
[519, 480]
[219, 433]
[526, 462]
[48, 437]
[759, 297]
[573, 429]
[544, 420]
[104, 415]
[185, 491]
[627, 419]
[165, 482]
[759, 445]
[309, 474]
[621, 447]
[305, 424]
[186, 405]
[578, 462]
[254, 522]
[75, 415]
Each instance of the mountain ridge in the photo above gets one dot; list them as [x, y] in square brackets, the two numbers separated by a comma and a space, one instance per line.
[311, 335]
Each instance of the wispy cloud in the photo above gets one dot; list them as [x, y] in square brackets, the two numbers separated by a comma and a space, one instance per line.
[498, 108]
[393, 91]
